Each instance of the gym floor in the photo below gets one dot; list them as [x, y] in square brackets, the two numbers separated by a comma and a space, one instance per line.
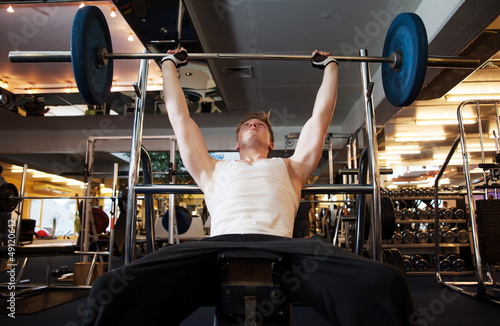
[434, 303]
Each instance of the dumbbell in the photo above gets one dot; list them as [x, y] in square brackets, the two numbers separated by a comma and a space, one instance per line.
[448, 214]
[459, 214]
[422, 236]
[418, 263]
[397, 238]
[422, 214]
[407, 214]
[408, 236]
[398, 215]
[435, 235]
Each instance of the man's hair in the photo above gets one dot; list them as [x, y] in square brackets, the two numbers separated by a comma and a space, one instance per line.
[262, 116]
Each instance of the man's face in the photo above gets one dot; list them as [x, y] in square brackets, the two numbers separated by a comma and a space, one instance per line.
[254, 131]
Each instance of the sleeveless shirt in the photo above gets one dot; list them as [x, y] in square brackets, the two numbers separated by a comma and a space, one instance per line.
[257, 198]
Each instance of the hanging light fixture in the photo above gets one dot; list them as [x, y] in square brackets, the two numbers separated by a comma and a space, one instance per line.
[113, 12]
[10, 8]
[82, 5]
[131, 36]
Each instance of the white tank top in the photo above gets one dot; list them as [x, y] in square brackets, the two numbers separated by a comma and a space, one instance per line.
[257, 198]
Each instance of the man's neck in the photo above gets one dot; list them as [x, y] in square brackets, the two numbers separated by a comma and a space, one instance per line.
[252, 156]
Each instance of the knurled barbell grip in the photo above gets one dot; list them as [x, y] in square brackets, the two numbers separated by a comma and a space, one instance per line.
[65, 56]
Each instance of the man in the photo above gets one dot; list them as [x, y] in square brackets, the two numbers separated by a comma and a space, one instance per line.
[252, 202]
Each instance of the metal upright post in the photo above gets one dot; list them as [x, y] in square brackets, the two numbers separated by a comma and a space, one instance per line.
[471, 200]
[113, 217]
[20, 207]
[354, 151]
[371, 131]
[135, 152]
[349, 158]
[333, 216]
[171, 198]
[86, 203]
[481, 144]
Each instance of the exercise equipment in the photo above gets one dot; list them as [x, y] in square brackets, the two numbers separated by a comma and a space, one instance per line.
[488, 230]
[122, 198]
[8, 195]
[481, 218]
[398, 259]
[251, 279]
[90, 37]
[394, 257]
[101, 220]
[403, 80]
[404, 62]
[42, 233]
[183, 218]
[388, 218]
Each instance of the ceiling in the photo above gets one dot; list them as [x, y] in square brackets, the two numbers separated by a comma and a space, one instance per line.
[57, 144]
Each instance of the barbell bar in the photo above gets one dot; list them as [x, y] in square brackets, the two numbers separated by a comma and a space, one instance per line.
[65, 56]
[404, 62]
[63, 197]
[9, 197]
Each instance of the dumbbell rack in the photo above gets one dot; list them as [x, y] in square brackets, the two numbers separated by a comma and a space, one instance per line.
[427, 248]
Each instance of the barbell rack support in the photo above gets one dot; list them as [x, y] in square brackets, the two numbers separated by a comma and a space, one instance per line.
[65, 56]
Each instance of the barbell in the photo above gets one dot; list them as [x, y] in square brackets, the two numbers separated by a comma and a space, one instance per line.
[9, 197]
[404, 62]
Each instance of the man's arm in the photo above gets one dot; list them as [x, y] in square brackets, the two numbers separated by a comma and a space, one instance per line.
[191, 144]
[312, 137]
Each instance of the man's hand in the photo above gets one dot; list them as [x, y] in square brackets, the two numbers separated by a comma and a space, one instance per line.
[321, 59]
[179, 57]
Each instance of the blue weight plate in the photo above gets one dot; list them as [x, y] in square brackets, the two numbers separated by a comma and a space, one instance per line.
[90, 33]
[406, 35]
[183, 217]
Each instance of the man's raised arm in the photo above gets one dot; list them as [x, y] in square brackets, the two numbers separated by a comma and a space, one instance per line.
[312, 137]
[192, 146]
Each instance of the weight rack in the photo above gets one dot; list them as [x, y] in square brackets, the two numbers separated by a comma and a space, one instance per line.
[480, 282]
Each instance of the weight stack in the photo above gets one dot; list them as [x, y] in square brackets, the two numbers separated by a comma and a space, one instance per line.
[488, 224]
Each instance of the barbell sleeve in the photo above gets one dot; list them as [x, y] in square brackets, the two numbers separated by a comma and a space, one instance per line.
[65, 56]
[452, 62]
[40, 56]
